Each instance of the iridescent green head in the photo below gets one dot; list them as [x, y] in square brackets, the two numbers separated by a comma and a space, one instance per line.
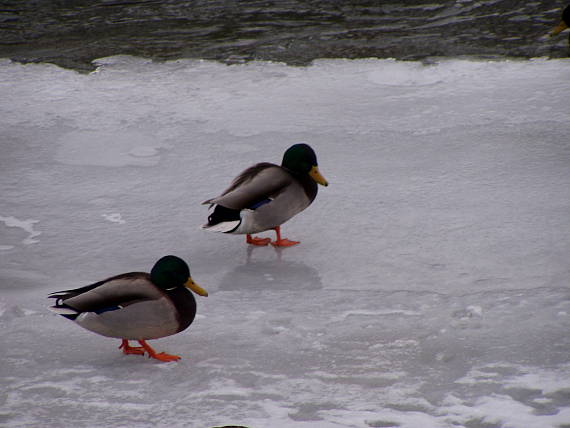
[171, 272]
[301, 158]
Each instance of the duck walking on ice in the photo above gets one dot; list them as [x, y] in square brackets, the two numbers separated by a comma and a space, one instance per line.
[135, 306]
[265, 196]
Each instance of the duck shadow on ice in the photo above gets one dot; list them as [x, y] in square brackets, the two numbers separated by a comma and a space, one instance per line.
[275, 274]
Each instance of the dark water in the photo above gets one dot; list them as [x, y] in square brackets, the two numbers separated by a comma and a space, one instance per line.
[72, 33]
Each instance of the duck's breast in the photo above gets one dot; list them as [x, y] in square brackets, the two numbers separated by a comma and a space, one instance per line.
[275, 211]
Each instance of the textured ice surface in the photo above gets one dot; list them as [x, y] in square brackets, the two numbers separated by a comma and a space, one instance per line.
[430, 288]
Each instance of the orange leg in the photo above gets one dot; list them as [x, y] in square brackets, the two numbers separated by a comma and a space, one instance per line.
[282, 242]
[128, 350]
[257, 241]
[162, 356]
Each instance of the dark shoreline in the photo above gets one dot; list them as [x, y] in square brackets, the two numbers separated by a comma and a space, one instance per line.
[73, 33]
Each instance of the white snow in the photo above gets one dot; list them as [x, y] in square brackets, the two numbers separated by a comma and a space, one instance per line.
[114, 218]
[25, 225]
[430, 288]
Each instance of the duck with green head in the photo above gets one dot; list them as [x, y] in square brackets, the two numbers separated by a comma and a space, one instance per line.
[265, 196]
[135, 306]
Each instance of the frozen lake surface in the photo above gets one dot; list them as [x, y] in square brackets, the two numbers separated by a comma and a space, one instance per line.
[430, 288]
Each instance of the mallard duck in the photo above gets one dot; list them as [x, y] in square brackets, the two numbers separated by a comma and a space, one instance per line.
[135, 306]
[564, 24]
[265, 196]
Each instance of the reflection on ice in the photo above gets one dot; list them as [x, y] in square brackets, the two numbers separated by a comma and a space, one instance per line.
[270, 275]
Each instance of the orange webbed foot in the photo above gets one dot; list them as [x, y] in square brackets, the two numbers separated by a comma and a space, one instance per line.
[257, 241]
[284, 242]
[162, 356]
[131, 350]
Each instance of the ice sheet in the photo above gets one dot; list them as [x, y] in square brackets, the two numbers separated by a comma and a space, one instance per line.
[430, 288]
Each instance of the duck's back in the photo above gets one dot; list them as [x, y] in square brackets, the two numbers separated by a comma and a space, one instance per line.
[134, 308]
[252, 186]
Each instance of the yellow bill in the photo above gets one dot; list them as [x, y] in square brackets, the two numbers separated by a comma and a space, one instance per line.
[195, 288]
[316, 175]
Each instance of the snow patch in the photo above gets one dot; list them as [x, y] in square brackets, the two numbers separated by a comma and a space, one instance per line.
[25, 225]
[363, 313]
[114, 218]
